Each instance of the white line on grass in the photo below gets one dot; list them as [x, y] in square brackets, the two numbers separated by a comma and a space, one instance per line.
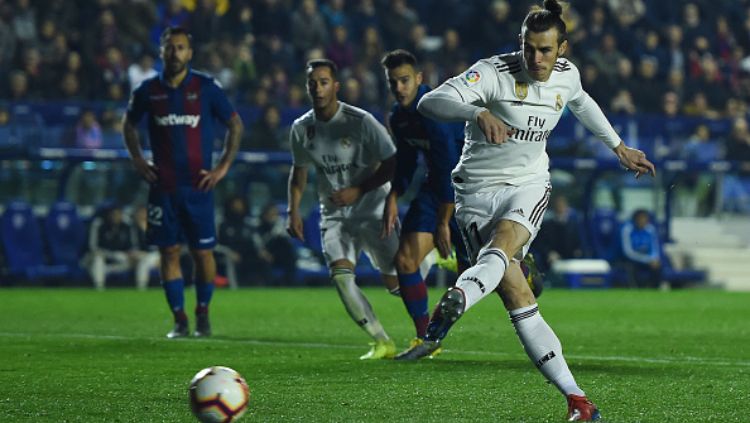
[631, 359]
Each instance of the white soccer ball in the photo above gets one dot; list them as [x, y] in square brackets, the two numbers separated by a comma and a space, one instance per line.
[218, 394]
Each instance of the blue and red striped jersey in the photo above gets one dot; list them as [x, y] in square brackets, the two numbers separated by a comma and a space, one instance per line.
[181, 125]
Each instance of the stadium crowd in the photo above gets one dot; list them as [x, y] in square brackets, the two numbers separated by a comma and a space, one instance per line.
[636, 56]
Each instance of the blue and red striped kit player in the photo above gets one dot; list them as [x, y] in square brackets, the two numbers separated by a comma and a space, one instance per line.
[183, 107]
[429, 222]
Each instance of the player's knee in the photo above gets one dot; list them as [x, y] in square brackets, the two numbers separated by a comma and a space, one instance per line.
[340, 276]
[202, 255]
[405, 263]
[170, 254]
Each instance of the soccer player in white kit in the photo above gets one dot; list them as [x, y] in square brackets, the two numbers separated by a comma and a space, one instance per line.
[511, 103]
[355, 159]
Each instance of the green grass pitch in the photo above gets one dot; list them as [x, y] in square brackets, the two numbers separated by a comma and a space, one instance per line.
[642, 356]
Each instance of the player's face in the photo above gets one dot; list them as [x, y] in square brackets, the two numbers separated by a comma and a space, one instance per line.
[403, 82]
[322, 88]
[176, 53]
[540, 52]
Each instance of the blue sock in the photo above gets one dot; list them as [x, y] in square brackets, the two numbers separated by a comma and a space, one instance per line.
[203, 291]
[414, 295]
[174, 291]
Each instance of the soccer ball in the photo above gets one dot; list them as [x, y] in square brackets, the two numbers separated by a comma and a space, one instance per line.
[218, 394]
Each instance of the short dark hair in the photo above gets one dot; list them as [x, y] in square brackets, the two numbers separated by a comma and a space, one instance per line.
[175, 30]
[398, 57]
[541, 19]
[326, 63]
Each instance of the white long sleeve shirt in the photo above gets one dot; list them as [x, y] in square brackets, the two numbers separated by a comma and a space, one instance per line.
[501, 85]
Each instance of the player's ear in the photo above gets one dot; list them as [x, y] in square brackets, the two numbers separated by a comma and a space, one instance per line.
[418, 78]
[562, 48]
[336, 86]
[520, 40]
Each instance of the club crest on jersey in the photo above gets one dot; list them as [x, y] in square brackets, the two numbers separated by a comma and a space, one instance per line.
[310, 132]
[346, 142]
[558, 103]
[473, 76]
[522, 90]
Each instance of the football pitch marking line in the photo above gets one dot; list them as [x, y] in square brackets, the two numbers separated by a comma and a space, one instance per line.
[631, 359]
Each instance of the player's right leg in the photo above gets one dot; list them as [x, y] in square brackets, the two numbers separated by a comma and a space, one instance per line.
[174, 287]
[163, 231]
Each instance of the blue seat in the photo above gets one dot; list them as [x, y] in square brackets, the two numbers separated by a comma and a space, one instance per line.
[22, 243]
[66, 236]
[604, 234]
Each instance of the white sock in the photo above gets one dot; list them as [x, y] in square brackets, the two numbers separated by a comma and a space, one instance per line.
[543, 348]
[356, 304]
[480, 280]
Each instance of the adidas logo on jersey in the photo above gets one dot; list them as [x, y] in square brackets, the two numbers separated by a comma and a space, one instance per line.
[174, 120]
[518, 211]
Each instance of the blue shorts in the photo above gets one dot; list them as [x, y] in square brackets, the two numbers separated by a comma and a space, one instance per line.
[422, 217]
[185, 215]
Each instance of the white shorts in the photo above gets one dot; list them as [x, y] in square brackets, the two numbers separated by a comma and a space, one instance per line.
[478, 213]
[345, 238]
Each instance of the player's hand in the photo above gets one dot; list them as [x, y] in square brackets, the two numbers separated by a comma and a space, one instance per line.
[635, 160]
[346, 196]
[209, 178]
[294, 226]
[390, 217]
[146, 169]
[443, 240]
[494, 129]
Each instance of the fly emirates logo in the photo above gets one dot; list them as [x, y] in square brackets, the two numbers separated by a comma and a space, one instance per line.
[174, 120]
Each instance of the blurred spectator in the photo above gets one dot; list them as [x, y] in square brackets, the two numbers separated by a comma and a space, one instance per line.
[699, 146]
[711, 83]
[113, 68]
[496, 31]
[205, 20]
[88, 131]
[351, 92]
[596, 86]
[650, 90]
[18, 86]
[267, 133]
[272, 18]
[651, 47]
[274, 245]
[7, 43]
[363, 16]
[24, 22]
[606, 57]
[641, 250]
[148, 255]
[341, 50]
[235, 242]
[675, 52]
[622, 103]
[560, 236]
[112, 246]
[371, 85]
[141, 70]
[452, 57]
[334, 14]
[244, 67]
[169, 13]
[70, 87]
[219, 70]
[396, 22]
[308, 28]
[698, 106]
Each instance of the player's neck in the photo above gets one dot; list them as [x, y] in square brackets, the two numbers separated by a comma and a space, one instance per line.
[325, 114]
[175, 80]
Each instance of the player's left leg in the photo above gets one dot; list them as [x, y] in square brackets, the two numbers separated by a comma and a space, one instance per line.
[542, 345]
[205, 274]
[413, 249]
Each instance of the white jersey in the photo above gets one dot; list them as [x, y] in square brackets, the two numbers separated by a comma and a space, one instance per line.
[501, 85]
[345, 151]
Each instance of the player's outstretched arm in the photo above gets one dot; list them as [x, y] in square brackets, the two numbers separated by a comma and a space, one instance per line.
[209, 178]
[390, 214]
[145, 168]
[295, 188]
